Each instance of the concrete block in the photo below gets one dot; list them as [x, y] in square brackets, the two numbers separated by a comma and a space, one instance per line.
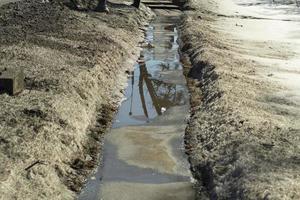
[12, 80]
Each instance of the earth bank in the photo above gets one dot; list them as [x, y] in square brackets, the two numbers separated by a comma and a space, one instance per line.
[243, 134]
[75, 65]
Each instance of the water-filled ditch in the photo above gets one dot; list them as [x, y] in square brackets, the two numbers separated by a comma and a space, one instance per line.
[143, 156]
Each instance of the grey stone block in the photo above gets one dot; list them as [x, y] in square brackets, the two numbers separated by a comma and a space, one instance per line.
[12, 80]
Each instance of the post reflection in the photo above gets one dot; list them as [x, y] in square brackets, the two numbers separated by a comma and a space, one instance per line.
[162, 95]
[150, 93]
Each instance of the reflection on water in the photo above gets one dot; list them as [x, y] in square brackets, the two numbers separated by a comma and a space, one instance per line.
[156, 85]
[148, 95]
[163, 95]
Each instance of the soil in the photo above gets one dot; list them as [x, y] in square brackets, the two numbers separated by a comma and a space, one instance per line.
[75, 65]
[243, 135]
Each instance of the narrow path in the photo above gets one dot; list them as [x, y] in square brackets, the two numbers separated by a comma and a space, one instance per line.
[143, 156]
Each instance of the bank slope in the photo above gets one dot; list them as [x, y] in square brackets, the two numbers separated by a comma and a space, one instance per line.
[75, 64]
[243, 136]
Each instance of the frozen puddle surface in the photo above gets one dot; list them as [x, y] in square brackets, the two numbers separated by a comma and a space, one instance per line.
[143, 154]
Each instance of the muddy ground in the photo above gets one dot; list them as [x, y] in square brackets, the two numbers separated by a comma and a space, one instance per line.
[75, 65]
[243, 136]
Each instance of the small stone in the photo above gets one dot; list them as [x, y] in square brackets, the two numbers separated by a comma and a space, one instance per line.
[88, 158]
[150, 46]
[141, 61]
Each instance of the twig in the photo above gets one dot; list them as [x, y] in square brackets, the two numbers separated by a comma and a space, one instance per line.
[34, 164]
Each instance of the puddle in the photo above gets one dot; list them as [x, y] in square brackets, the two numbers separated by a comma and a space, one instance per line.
[150, 91]
[143, 155]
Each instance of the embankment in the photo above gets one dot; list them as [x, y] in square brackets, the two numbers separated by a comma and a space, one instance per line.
[243, 135]
[75, 65]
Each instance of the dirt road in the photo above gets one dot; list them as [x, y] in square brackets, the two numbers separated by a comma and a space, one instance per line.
[75, 64]
[243, 137]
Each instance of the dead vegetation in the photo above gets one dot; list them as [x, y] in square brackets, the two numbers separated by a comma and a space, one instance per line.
[242, 142]
[75, 65]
